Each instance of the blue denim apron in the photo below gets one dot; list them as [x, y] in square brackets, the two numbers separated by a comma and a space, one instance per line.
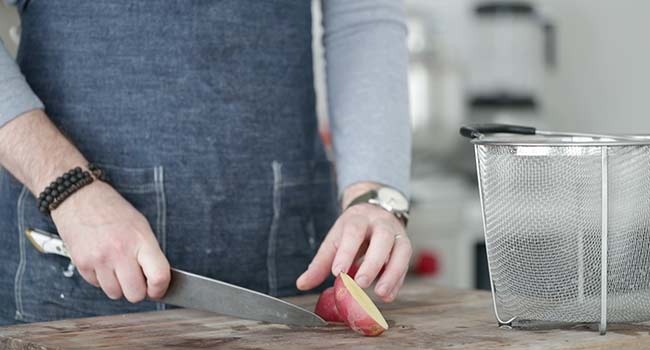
[202, 113]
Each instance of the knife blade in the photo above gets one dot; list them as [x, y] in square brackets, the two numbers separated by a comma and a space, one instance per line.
[202, 293]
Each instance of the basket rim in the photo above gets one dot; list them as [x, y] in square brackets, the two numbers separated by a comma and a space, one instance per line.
[560, 141]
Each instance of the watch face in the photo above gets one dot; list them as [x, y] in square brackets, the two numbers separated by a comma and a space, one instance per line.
[392, 198]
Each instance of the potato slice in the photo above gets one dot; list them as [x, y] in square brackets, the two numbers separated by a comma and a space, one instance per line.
[356, 308]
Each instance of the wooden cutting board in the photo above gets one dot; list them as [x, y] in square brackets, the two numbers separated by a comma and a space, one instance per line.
[424, 317]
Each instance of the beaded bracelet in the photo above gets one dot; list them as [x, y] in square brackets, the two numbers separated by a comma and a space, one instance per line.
[67, 184]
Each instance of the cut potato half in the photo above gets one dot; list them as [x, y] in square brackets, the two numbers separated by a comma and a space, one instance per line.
[356, 308]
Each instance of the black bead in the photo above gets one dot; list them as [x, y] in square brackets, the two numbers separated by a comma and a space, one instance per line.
[59, 180]
[49, 198]
[66, 176]
[60, 188]
[41, 196]
[67, 183]
[53, 185]
[44, 203]
[43, 210]
[54, 193]
[91, 166]
[86, 174]
[48, 190]
[77, 170]
[73, 179]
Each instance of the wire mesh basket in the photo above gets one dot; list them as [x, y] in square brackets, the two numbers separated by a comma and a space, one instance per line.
[567, 224]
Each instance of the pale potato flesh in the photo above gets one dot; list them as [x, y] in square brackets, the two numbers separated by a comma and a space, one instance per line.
[364, 300]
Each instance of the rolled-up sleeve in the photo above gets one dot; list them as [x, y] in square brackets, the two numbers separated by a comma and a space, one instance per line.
[16, 97]
[366, 67]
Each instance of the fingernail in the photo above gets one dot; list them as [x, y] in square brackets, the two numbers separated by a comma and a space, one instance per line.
[382, 289]
[362, 281]
[337, 270]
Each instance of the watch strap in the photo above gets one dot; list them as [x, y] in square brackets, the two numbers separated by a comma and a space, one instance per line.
[372, 194]
[363, 198]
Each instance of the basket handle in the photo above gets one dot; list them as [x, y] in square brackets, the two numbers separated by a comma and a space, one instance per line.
[476, 130]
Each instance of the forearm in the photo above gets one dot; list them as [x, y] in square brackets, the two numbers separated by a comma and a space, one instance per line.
[35, 151]
[367, 60]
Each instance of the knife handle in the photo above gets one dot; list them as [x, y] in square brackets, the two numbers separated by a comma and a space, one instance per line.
[47, 243]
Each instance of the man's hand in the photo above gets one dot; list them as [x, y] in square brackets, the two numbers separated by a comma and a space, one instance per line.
[112, 244]
[363, 230]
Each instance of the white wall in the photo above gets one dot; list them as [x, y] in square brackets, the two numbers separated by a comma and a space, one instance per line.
[604, 55]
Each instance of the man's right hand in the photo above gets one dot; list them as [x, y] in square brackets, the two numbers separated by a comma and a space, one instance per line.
[112, 244]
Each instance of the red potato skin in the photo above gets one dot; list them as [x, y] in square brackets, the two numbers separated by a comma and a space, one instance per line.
[326, 307]
[353, 314]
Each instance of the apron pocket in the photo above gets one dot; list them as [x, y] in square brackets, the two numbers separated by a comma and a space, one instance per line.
[305, 208]
[45, 289]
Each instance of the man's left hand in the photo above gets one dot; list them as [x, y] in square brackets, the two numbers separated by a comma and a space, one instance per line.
[368, 231]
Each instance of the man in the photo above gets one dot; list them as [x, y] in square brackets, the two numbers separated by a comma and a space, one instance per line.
[201, 114]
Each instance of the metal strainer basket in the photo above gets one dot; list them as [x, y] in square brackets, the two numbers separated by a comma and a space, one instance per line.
[567, 224]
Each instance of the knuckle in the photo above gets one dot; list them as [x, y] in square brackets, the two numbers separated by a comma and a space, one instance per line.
[353, 228]
[159, 279]
[100, 257]
[346, 253]
[118, 247]
[383, 232]
[136, 296]
[373, 264]
[84, 264]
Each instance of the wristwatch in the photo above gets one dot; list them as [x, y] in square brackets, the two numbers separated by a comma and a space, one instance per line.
[387, 198]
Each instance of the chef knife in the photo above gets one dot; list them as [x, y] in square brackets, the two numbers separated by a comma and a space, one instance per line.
[197, 292]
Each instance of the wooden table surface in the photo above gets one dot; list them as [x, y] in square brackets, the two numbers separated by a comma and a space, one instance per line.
[423, 317]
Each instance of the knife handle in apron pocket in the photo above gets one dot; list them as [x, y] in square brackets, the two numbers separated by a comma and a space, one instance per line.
[47, 243]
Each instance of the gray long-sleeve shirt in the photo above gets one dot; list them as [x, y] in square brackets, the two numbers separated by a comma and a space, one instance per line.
[366, 67]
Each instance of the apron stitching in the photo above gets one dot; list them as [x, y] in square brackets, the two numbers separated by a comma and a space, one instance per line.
[20, 209]
[277, 201]
[162, 215]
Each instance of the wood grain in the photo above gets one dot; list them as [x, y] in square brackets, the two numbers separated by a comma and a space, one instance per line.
[424, 317]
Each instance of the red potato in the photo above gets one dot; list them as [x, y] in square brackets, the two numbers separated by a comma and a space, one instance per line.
[356, 308]
[326, 307]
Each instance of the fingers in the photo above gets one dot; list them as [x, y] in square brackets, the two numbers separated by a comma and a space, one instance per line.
[319, 268]
[132, 281]
[156, 270]
[108, 282]
[354, 231]
[395, 269]
[89, 275]
[381, 244]
[393, 294]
